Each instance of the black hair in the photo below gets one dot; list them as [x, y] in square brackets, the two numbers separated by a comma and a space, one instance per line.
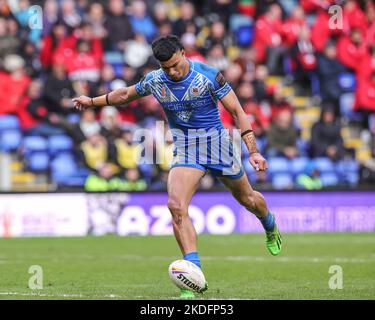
[164, 47]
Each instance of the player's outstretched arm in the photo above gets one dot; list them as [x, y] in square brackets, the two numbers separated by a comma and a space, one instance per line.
[113, 98]
[231, 103]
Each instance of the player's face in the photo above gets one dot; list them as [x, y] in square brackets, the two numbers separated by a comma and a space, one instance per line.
[176, 67]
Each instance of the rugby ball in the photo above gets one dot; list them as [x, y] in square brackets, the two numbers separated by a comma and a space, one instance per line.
[186, 275]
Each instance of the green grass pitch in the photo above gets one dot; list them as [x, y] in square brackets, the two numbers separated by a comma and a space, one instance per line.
[236, 267]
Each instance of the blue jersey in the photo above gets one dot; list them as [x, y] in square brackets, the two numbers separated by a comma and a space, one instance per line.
[191, 105]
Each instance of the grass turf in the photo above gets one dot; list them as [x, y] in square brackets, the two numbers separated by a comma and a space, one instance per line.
[236, 266]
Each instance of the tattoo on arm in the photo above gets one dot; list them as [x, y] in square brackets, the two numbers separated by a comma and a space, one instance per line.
[249, 139]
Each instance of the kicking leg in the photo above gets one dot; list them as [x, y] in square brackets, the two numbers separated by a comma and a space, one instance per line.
[254, 202]
[182, 184]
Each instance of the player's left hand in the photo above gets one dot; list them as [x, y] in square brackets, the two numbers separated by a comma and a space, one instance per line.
[258, 162]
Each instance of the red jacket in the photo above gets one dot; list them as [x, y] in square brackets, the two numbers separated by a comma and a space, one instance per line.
[320, 31]
[365, 67]
[267, 33]
[12, 91]
[354, 18]
[68, 47]
[365, 95]
[291, 29]
[350, 54]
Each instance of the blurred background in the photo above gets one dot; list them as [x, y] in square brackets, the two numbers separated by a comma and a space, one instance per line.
[308, 90]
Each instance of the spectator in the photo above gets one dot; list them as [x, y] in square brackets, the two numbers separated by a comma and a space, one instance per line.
[352, 49]
[34, 116]
[103, 180]
[293, 25]
[258, 120]
[310, 180]
[218, 35]
[133, 181]
[86, 127]
[326, 140]
[186, 21]
[304, 57]
[282, 136]
[216, 58]
[50, 43]
[83, 65]
[96, 153]
[160, 14]
[141, 22]
[111, 123]
[188, 40]
[96, 19]
[268, 39]
[14, 82]
[137, 52]
[365, 95]
[59, 91]
[261, 92]
[9, 42]
[127, 152]
[329, 69]
[233, 74]
[50, 16]
[69, 14]
[118, 26]
[279, 103]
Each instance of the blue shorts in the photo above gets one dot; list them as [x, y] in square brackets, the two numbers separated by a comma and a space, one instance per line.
[220, 157]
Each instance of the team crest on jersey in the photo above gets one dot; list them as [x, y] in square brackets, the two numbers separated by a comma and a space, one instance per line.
[195, 91]
[163, 92]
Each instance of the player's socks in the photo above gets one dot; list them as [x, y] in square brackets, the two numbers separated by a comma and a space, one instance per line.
[194, 258]
[268, 222]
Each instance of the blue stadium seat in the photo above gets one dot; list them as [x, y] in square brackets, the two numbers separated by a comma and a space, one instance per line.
[303, 147]
[329, 179]
[38, 162]
[32, 144]
[73, 118]
[64, 164]
[65, 172]
[347, 81]
[324, 164]
[10, 140]
[58, 144]
[278, 164]
[299, 165]
[282, 181]
[72, 180]
[8, 122]
[348, 171]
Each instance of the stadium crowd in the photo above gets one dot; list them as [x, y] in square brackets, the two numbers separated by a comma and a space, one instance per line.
[91, 47]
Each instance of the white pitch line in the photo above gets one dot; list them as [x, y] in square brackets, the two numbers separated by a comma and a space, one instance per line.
[259, 259]
[63, 295]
